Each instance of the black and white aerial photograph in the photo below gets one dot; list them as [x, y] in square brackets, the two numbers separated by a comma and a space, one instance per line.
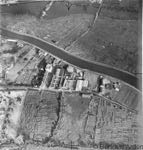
[71, 75]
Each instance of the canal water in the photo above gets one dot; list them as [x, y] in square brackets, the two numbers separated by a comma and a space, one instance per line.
[58, 9]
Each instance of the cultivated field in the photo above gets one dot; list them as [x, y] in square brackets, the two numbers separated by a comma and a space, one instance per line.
[89, 120]
[39, 115]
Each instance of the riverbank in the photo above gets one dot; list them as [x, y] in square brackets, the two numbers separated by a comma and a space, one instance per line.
[113, 42]
[74, 60]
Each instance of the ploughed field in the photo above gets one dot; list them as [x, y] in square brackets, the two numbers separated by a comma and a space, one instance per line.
[39, 115]
[88, 120]
[62, 119]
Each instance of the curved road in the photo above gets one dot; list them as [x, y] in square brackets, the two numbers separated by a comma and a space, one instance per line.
[76, 61]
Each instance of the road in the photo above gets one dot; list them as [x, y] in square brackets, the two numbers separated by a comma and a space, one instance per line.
[25, 88]
[74, 60]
